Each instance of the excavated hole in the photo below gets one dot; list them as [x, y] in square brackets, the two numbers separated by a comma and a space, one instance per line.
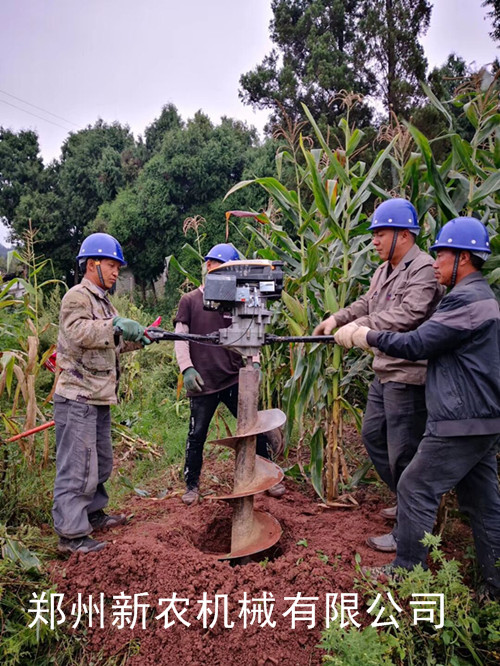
[216, 539]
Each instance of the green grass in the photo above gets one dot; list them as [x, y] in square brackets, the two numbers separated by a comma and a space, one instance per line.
[149, 411]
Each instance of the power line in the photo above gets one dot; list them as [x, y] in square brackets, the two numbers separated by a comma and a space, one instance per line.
[4, 92]
[35, 115]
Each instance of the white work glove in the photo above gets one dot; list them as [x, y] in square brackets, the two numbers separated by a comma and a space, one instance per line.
[359, 337]
[343, 336]
[326, 326]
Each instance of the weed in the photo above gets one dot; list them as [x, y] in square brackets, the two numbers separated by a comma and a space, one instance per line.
[467, 634]
[21, 575]
[322, 556]
[352, 648]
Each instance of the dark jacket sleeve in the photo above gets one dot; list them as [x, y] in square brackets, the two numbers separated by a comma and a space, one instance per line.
[446, 330]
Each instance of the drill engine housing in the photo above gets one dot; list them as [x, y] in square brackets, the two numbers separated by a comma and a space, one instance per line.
[243, 288]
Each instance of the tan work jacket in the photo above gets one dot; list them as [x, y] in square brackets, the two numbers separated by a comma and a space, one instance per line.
[398, 302]
[87, 350]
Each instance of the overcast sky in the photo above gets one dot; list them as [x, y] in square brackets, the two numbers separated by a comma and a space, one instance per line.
[124, 59]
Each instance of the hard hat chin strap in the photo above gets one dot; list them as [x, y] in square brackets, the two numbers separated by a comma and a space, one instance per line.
[455, 269]
[99, 273]
[393, 245]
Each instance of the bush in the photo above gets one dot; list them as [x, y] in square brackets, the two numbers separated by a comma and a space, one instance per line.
[470, 633]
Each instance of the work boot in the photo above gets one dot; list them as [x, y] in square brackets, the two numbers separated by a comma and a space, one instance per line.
[390, 513]
[276, 441]
[383, 574]
[277, 491]
[80, 545]
[191, 496]
[385, 543]
[102, 521]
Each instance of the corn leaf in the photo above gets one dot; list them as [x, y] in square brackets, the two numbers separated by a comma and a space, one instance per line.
[296, 309]
[490, 186]
[437, 103]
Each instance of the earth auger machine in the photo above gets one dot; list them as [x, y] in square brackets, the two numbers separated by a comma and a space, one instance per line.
[243, 289]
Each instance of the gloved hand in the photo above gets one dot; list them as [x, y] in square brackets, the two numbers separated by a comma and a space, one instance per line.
[359, 337]
[131, 330]
[256, 365]
[326, 326]
[343, 336]
[193, 380]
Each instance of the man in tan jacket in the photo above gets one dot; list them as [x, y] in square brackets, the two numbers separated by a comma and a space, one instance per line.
[403, 293]
[91, 337]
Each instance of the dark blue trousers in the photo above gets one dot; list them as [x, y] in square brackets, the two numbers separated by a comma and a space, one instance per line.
[202, 410]
[468, 464]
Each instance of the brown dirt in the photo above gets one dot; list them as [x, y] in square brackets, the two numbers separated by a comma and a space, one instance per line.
[168, 547]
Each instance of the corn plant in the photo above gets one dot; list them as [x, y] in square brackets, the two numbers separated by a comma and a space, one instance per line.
[319, 230]
[22, 357]
[468, 181]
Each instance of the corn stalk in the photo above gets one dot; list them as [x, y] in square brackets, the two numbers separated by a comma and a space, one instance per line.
[319, 230]
[22, 358]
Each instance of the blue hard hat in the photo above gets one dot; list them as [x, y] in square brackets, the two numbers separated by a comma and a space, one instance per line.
[223, 252]
[463, 233]
[101, 245]
[395, 214]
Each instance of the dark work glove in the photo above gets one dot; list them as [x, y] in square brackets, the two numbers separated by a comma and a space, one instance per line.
[193, 380]
[131, 330]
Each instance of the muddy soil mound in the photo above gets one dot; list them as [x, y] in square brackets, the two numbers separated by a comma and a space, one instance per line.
[169, 549]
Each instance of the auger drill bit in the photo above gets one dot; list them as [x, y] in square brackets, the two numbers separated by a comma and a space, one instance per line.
[252, 531]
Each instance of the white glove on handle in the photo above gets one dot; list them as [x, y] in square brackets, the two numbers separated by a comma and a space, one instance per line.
[326, 327]
[359, 337]
[343, 336]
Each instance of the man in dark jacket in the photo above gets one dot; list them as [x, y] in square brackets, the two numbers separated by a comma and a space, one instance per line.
[462, 344]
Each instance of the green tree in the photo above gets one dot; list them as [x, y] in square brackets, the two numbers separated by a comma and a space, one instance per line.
[133, 159]
[325, 46]
[317, 54]
[444, 80]
[391, 29]
[20, 169]
[91, 171]
[46, 212]
[194, 167]
[169, 119]
[494, 15]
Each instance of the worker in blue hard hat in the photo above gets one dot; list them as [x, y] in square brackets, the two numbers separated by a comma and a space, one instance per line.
[403, 293]
[461, 341]
[91, 337]
[210, 375]
[97, 247]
